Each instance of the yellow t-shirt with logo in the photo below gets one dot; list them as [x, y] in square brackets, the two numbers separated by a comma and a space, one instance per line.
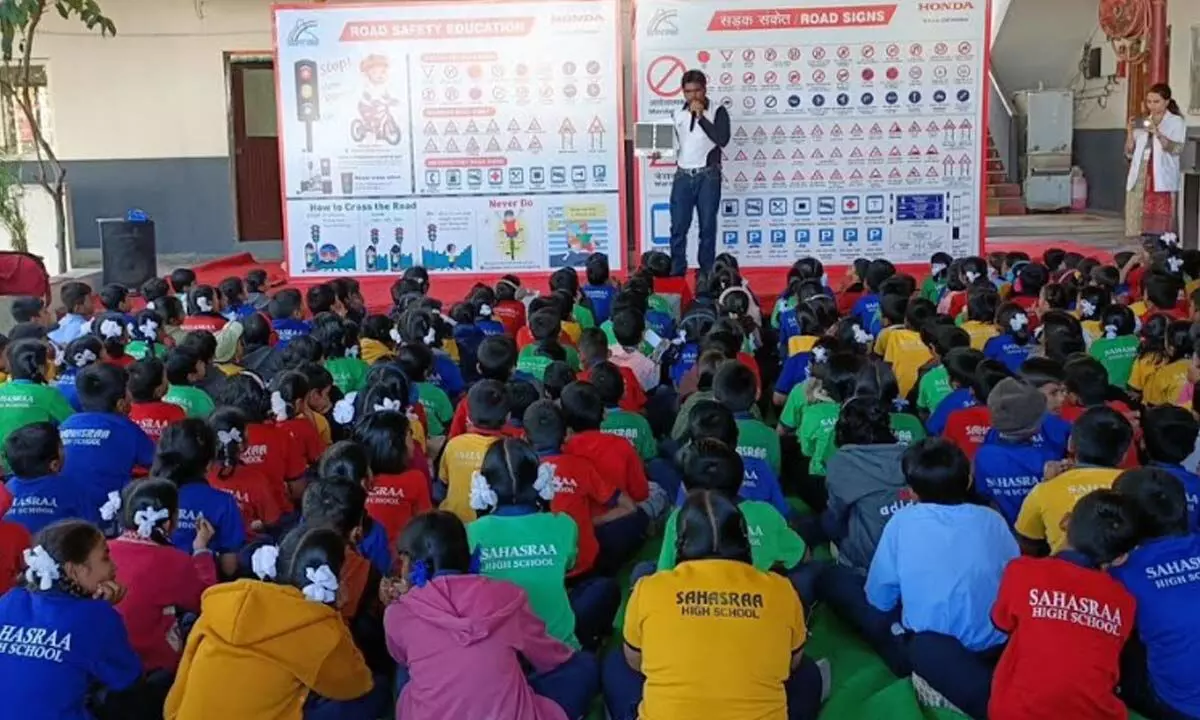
[717, 638]
[906, 353]
[1048, 504]
[881, 342]
[980, 333]
[1092, 328]
[1165, 385]
[1139, 309]
[800, 344]
[1143, 369]
[461, 458]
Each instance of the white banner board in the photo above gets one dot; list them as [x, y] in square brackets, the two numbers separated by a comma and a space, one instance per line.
[464, 137]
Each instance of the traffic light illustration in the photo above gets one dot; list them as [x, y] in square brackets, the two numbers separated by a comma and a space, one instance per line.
[308, 97]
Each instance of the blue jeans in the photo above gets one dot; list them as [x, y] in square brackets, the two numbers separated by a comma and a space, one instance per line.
[372, 705]
[700, 192]
[595, 602]
[843, 589]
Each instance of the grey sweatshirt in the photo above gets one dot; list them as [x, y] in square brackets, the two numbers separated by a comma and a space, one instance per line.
[866, 487]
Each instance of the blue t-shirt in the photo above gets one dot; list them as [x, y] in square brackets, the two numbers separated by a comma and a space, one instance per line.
[942, 565]
[103, 449]
[287, 329]
[374, 547]
[789, 326]
[661, 323]
[956, 400]
[66, 385]
[198, 500]
[1163, 575]
[1007, 470]
[794, 372]
[490, 327]
[1056, 432]
[446, 375]
[601, 297]
[1005, 349]
[1191, 488]
[688, 354]
[759, 482]
[54, 648]
[238, 312]
[468, 336]
[37, 502]
[866, 309]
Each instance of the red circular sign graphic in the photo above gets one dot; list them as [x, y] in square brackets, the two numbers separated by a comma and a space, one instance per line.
[893, 50]
[771, 77]
[892, 73]
[794, 77]
[703, 56]
[941, 48]
[818, 52]
[868, 51]
[748, 78]
[770, 54]
[818, 76]
[664, 76]
[843, 52]
[726, 78]
[748, 55]
[843, 75]
[916, 50]
[868, 74]
[964, 48]
[794, 54]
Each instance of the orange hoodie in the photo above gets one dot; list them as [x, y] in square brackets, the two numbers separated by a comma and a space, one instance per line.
[258, 650]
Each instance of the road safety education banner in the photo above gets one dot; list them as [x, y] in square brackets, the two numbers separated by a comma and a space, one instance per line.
[857, 129]
[464, 137]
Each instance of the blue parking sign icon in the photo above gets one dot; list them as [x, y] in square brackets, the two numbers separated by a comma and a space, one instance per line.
[754, 237]
[803, 236]
[778, 236]
[875, 235]
[850, 235]
[825, 236]
[729, 237]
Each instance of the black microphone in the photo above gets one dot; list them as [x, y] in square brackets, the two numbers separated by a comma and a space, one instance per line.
[693, 112]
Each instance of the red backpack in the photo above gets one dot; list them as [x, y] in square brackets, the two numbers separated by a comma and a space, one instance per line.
[25, 275]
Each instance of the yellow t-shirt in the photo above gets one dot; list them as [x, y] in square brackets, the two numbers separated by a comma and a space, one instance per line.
[1049, 503]
[906, 353]
[462, 457]
[1143, 369]
[1190, 288]
[1165, 385]
[980, 333]
[800, 343]
[881, 342]
[3, 377]
[230, 369]
[717, 639]
[573, 330]
[451, 348]
[1139, 309]
[322, 425]
[1092, 328]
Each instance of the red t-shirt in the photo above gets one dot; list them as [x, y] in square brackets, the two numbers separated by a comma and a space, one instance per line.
[615, 458]
[968, 427]
[957, 302]
[1066, 626]
[14, 541]
[675, 286]
[211, 323]
[253, 492]
[305, 438]
[121, 361]
[581, 492]
[634, 398]
[511, 314]
[846, 300]
[1071, 412]
[396, 499]
[154, 417]
[270, 449]
[525, 337]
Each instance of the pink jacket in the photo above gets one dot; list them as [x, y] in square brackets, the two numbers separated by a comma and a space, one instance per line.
[459, 636]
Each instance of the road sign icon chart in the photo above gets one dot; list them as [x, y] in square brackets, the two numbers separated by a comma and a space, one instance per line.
[664, 76]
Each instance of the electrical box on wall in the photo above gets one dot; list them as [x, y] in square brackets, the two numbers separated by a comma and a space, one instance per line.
[1091, 63]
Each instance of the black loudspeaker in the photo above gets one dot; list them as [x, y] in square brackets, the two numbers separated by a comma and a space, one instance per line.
[128, 251]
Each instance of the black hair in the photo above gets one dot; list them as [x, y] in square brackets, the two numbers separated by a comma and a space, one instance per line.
[300, 350]
[1170, 433]
[180, 365]
[545, 325]
[1087, 379]
[1039, 371]
[487, 405]
[229, 427]
[877, 380]
[723, 340]
[1019, 330]
[565, 278]
[1105, 276]
[711, 527]
[496, 357]
[145, 377]
[185, 451]
[1100, 436]
[155, 288]
[878, 271]
[557, 376]
[245, 392]
[919, 312]
[1154, 337]
[346, 458]
[27, 360]
[863, 421]
[709, 419]
[735, 386]
[256, 330]
[112, 295]
[988, 374]
[202, 342]
[31, 450]
[982, 303]
[1103, 526]
[507, 287]
[284, 304]
[1093, 302]
[1031, 279]
[1179, 341]
[329, 332]
[839, 376]
[114, 345]
[1052, 258]
[320, 298]
[101, 387]
[609, 384]
[942, 338]
[893, 308]
[1161, 290]
[937, 471]
[385, 381]
[438, 540]
[1159, 499]
[710, 464]
[309, 547]
[171, 309]
[66, 541]
[596, 268]
[544, 425]
[154, 494]
[511, 469]
[197, 295]
[1056, 296]
[256, 280]
[232, 290]
[898, 284]
[382, 435]
[83, 351]
[416, 360]
[337, 502]
[628, 327]
[582, 407]
[74, 294]
[961, 364]
[379, 328]
[145, 327]
[182, 279]
[519, 395]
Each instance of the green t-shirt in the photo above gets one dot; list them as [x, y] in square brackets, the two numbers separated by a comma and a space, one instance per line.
[24, 403]
[772, 542]
[931, 289]
[646, 348]
[632, 427]
[757, 440]
[1117, 355]
[933, 388]
[793, 410]
[788, 304]
[533, 551]
[349, 373]
[438, 410]
[816, 434]
[531, 362]
[907, 428]
[137, 350]
[585, 317]
[194, 401]
[658, 303]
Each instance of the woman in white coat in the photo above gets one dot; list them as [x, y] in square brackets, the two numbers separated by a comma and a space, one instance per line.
[1154, 173]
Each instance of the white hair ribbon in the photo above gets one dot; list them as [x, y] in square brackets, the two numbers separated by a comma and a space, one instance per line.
[1110, 331]
[150, 305]
[899, 403]
[385, 404]
[149, 329]
[279, 407]
[937, 268]
[485, 310]
[147, 518]
[352, 351]
[84, 357]
[862, 337]
[1175, 262]
[264, 562]
[824, 279]
[110, 329]
[971, 276]
[60, 359]
[343, 410]
[204, 304]
[41, 568]
[394, 334]
[1086, 309]
[322, 584]
[111, 506]
[1018, 321]
[680, 339]
[545, 481]
[482, 497]
[819, 355]
[1170, 239]
[430, 337]
[229, 437]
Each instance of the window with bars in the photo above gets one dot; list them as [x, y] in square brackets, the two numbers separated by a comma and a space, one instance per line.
[16, 134]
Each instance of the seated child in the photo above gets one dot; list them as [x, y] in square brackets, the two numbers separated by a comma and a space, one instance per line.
[82, 352]
[1099, 439]
[267, 446]
[610, 386]
[185, 453]
[463, 455]
[1086, 382]
[1013, 457]
[593, 350]
[184, 370]
[204, 310]
[349, 461]
[1169, 435]
[79, 303]
[1083, 648]
[287, 316]
[933, 380]
[599, 288]
[960, 364]
[615, 457]
[509, 308]
[101, 444]
[558, 376]
[436, 565]
[1165, 385]
[256, 499]
[483, 299]
[26, 397]
[290, 394]
[905, 350]
[182, 280]
[1092, 303]
[967, 427]
[161, 581]
[831, 385]
[75, 640]
[257, 283]
[629, 329]
[378, 338]
[1153, 353]
[544, 325]
[496, 360]
[398, 493]
[38, 493]
[111, 330]
[417, 361]
[260, 647]
[1160, 294]
[1014, 342]
[147, 336]
[1117, 347]
[339, 342]
[234, 301]
[1159, 677]
[866, 310]
[147, 387]
[512, 493]
[734, 387]
[707, 365]
[422, 326]
[1049, 377]
[981, 316]
[519, 393]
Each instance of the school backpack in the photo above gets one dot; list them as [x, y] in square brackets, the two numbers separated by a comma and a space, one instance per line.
[25, 275]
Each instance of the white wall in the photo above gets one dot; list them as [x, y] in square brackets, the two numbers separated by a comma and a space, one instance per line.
[1182, 15]
[1100, 102]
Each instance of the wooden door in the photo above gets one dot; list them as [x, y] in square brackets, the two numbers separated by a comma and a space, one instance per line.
[256, 151]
